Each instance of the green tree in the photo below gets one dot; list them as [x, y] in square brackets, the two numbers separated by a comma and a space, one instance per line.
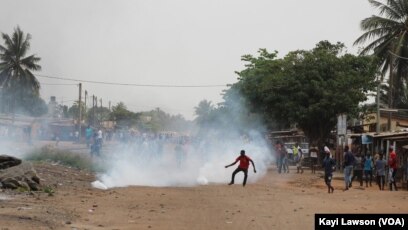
[307, 88]
[33, 105]
[162, 121]
[388, 35]
[16, 65]
[229, 119]
[203, 112]
[122, 116]
[73, 111]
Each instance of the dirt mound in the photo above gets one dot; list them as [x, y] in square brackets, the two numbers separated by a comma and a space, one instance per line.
[17, 175]
[44, 209]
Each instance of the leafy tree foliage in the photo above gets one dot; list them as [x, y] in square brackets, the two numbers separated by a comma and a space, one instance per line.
[230, 118]
[73, 111]
[162, 121]
[306, 88]
[18, 84]
[122, 116]
[32, 105]
[204, 112]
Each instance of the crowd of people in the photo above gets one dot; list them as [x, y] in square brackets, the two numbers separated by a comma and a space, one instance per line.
[366, 168]
[283, 159]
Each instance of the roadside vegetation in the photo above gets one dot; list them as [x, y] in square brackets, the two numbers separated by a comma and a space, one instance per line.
[63, 157]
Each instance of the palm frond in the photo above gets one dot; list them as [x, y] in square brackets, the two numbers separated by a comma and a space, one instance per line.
[397, 6]
[387, 10]
[25, 45]
[7, 41]
[30, 62]
[378, 44]
[2, 49]
[32, 81]
[375, 22]
[380, 32]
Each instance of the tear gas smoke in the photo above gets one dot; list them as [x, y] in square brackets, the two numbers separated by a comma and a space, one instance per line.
[21, 122]
[182, 164]
[188, 160]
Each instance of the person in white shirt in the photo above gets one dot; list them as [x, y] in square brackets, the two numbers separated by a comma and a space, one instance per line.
[100, 136]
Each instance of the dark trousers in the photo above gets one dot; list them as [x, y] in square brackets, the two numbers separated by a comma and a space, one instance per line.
[381, 182]
[368, 174]
[237, 171]
[327, 179]
[313, 162]
[359, 174]
[280, 164]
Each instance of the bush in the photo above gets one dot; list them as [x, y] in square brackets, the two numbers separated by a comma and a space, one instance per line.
[49, 190]
[63, 157]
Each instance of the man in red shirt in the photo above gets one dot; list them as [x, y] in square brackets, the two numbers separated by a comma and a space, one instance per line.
[243, 166]
[392, 163]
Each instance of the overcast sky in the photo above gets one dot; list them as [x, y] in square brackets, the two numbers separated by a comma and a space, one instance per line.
[169, 42]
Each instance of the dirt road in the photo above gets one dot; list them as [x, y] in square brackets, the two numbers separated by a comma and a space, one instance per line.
[287, 201]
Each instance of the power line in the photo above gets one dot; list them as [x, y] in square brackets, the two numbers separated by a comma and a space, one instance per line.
[57, 84]
[69, 100]
[131, 84]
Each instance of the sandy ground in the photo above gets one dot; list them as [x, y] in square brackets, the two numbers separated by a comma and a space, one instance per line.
[287, 201]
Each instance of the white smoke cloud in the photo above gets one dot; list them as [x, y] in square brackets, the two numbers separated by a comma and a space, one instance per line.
[202, 161]
[199, 159]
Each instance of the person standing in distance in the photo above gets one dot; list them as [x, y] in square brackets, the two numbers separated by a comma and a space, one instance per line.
[392, 163]
[243, 166]
[328, 165]
[380, 169]
[348, 167]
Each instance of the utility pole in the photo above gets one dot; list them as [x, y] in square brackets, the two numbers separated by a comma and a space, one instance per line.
[109, 105]
[93, 110]
[86, 95]
[96, 107]
[391, 92]
[79, 109]
[100, 100]
[377, 128]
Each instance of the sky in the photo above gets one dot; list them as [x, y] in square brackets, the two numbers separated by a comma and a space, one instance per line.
[163, 42]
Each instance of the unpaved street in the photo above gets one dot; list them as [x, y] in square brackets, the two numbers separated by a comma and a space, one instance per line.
[287, 201]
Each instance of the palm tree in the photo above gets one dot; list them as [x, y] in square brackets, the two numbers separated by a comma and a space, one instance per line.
[203, 112]
[388, 33]
[16, 77]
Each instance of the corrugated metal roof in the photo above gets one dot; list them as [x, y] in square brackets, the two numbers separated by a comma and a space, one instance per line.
[383, 134]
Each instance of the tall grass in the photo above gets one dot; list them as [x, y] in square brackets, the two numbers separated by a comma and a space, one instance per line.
[63, 157]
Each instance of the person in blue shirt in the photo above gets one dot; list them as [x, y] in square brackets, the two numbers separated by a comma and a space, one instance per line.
[368, 169]
[328, 165]
[88, 135]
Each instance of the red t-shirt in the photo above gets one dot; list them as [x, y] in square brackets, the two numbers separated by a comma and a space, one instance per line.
[243, 161]
[393, 160]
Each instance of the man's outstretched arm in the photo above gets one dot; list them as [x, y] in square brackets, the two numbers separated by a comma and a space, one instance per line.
[253, 165]
[231, 164]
